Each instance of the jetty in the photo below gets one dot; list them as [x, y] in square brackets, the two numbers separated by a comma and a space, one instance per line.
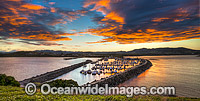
[56, 73]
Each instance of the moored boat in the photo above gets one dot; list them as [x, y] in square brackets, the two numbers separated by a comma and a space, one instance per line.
[82, 71]
[89, 71]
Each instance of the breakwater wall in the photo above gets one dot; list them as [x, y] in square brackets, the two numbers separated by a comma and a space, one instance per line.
[70, 58]
[56, 73]
[121, 77]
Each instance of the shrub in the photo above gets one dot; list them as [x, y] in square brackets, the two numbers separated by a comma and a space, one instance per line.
[8, 81]
[63, 83]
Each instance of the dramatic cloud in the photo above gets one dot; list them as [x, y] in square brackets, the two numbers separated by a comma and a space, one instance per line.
[44, 23]
[25, 21]
[140, 21]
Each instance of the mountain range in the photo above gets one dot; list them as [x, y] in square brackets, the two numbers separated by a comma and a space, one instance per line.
[142, 51]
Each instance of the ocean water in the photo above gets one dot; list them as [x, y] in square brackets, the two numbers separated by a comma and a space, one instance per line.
[25, 67]
[182, 72]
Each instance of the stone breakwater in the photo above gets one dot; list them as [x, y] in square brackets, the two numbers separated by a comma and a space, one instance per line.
[70, 58]
[56, 73]
[121, 77]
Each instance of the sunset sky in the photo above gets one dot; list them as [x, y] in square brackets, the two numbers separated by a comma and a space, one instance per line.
[98, 25]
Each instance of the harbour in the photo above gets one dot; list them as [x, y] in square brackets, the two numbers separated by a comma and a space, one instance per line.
[104, 66]
[180, 71]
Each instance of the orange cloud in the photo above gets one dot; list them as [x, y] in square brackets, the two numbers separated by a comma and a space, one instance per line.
[148, 35]
[43, 37]
[180, 15]
[53, 10]
[159, 19]
[127, 22]
[17, 22]
[98, 4]
[104, 6]
[12, 13]
[32, 6]
[114, 16]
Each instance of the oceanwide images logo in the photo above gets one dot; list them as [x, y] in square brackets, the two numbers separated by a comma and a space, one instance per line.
[45, 89]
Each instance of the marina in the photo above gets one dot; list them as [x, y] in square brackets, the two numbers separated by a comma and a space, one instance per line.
[110, 65]
[121, 77]
[102, 69]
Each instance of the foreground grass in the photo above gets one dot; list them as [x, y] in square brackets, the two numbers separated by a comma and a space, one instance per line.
[17, 93]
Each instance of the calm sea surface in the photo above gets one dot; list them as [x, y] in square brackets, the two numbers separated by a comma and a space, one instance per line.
[26, 67]
[183, 72]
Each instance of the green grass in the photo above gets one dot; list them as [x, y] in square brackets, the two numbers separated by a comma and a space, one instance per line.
[17, 93]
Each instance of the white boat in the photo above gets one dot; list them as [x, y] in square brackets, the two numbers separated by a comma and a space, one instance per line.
[94, 72]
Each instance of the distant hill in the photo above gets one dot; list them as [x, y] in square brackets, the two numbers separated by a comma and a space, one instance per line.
[143, 51]
[164, 51]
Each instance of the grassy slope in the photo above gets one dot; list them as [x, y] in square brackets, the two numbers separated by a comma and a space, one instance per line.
[17, 93]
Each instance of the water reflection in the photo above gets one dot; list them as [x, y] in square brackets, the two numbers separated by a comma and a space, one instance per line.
[26, 67]
[183, 72]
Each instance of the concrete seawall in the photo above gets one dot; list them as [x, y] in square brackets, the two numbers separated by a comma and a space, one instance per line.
[56, 73]
[116, 79]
